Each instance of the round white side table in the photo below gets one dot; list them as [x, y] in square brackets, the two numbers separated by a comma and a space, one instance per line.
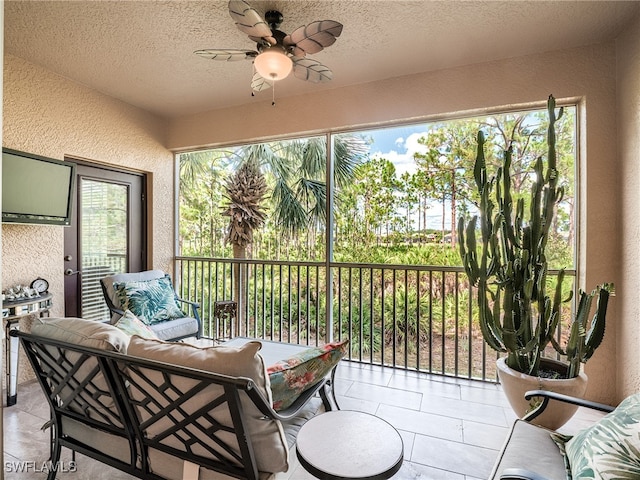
[346, 444]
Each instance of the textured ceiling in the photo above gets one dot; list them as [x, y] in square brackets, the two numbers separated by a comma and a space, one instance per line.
[142, 51]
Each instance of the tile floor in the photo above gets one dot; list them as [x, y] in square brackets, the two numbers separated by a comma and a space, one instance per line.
[451, 429]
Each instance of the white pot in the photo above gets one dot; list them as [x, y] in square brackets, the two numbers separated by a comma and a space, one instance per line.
[516, 384]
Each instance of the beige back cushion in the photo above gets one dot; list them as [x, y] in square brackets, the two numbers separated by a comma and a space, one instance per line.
[86, 333]
[267, 436]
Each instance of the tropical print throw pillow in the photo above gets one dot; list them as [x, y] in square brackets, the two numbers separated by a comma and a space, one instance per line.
[610, 449]
[131, 325]
[152, 301]
[290, 377]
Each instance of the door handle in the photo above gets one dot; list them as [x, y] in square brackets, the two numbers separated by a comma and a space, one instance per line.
[68, 272]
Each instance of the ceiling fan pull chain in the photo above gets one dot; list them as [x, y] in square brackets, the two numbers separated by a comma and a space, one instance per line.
[273, 94]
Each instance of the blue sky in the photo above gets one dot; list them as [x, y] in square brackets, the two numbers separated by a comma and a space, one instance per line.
[398, 145]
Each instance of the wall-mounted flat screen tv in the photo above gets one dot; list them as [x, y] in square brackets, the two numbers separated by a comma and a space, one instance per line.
[36, 189]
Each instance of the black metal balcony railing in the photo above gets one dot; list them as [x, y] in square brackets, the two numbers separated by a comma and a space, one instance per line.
[405, 316]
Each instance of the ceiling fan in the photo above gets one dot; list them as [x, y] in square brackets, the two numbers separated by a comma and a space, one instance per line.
[277, 53]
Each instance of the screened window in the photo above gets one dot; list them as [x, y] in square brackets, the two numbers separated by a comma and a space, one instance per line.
[398, 191]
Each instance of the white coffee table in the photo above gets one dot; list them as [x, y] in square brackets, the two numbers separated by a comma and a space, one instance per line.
[345, 444]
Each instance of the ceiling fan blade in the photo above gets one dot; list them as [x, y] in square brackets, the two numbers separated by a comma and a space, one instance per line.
[311, 70]
[226, 54]
[262, 40]
[258, 83]
[248, 20]
[315, 36]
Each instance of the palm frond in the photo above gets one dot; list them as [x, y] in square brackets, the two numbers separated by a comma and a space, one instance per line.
[349, 151]
[290, 214]
[314, 158]
[193, 165]
[313, 194]
[269, 156]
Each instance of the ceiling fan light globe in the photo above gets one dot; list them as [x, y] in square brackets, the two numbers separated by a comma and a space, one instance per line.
[273, 64]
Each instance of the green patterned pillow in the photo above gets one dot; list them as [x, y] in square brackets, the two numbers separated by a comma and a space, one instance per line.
[131, 325]
[289, 378]
[610, 449]
[152, 301]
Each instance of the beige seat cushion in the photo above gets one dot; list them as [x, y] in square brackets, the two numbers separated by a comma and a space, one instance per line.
[267, 436]
[531, 448]
[175, 328]
[103, 441]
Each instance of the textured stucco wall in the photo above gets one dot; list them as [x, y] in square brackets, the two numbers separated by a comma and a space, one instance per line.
[628, 104]
[49, 115]
[586, 73]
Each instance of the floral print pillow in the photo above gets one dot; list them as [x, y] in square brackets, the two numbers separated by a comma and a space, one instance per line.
[152, 301]
[290, 377]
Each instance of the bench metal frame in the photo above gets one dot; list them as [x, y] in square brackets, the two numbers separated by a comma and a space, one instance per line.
[95, 387]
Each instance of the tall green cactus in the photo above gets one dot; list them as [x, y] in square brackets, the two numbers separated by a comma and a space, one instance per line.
[509, 265]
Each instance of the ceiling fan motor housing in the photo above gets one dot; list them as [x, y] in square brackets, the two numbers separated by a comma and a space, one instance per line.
[279, 36]
[274, 19]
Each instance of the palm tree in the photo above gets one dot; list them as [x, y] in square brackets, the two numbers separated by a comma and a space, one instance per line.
[298, 175]
[245, 192]
[297, 170]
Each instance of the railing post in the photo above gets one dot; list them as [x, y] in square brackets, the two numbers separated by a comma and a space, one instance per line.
[238, 281]
[329, 241]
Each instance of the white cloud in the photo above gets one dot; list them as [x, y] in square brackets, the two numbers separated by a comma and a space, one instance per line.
[404, 161]
[412, 145]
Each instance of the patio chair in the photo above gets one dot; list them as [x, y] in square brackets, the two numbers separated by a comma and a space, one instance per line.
[532, 452]
[150, 296]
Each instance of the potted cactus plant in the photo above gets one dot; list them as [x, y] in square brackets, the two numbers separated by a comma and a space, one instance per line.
[508, 265]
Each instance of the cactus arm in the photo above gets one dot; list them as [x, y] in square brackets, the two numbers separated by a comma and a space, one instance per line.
[494, 265]
[508, 324]
[596, 332]
[468, 251]
[480, 167]
[462, 245]
[507, 199]
[582, 344]
[534, 208]
[556, 310]
[552, 172]
[574, 349]
[557, 346]
[488, 328]
[551, 130]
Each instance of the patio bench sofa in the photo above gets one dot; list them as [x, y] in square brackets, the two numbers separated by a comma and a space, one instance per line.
[607, 449]
[161, 410]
